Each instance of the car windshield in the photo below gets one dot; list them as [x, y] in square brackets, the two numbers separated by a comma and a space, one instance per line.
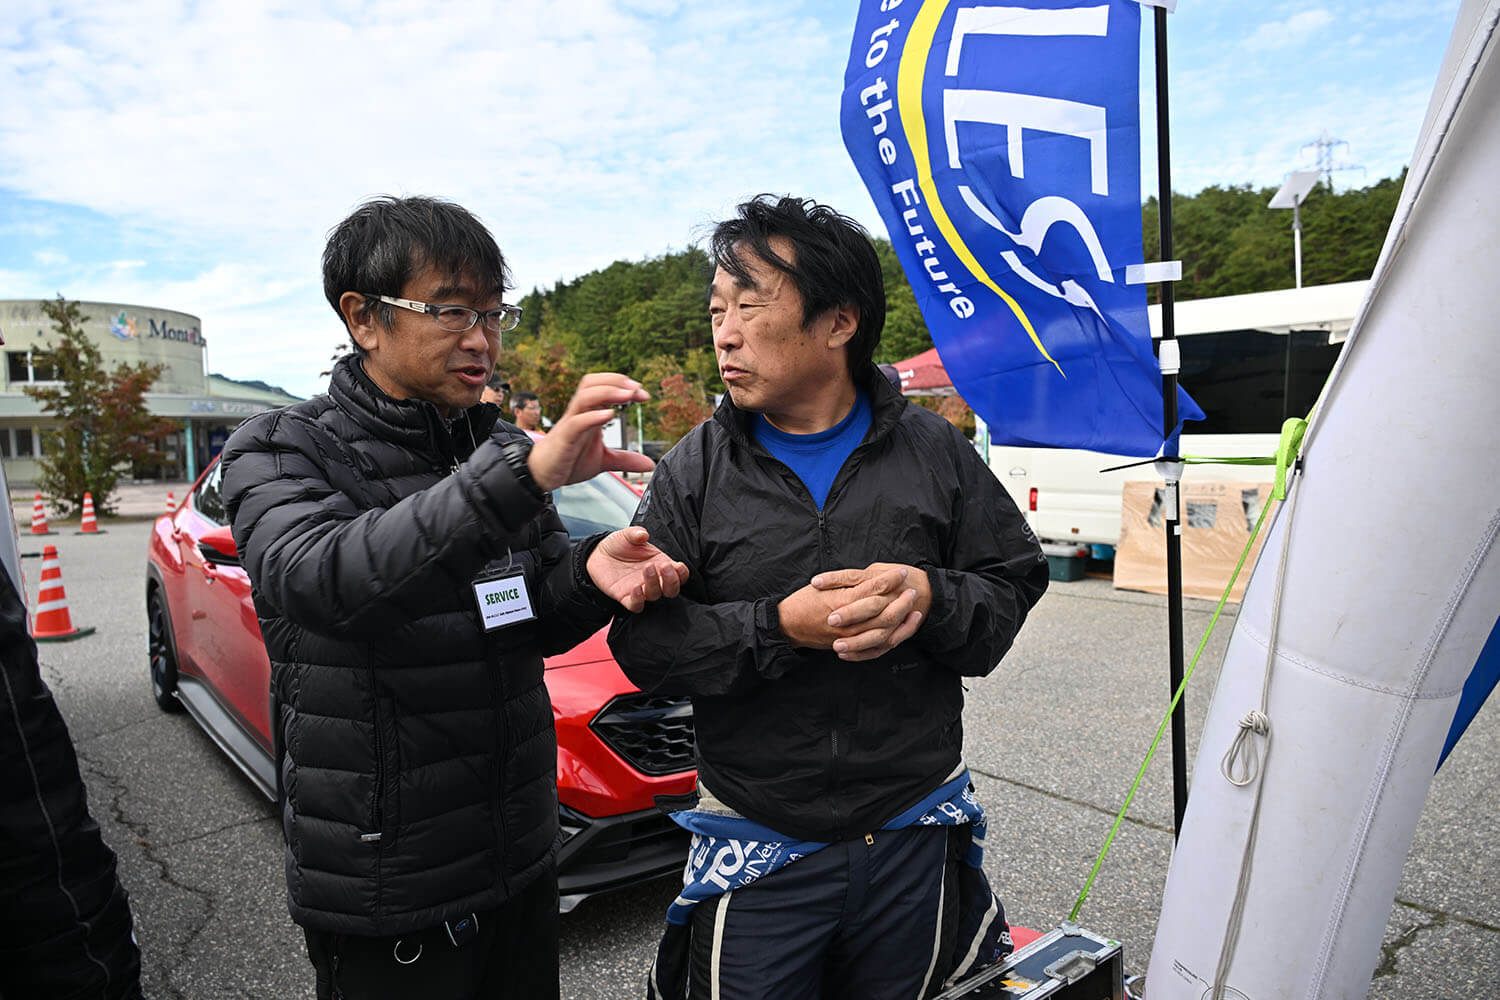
[599, 504]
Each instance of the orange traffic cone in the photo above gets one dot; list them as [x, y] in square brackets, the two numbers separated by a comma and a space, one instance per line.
[39, 518]
[171, 503]
[90, 524]
[52, 622]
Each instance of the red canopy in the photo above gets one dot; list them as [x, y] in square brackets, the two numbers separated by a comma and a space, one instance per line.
[924, 375]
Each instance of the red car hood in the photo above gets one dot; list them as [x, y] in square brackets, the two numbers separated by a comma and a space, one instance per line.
[591, 650]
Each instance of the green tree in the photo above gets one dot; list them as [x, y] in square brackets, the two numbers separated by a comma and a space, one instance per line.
[102, 416]
[906, 333]
[1229, 242]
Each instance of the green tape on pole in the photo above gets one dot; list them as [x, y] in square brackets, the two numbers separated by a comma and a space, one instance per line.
[1287, 451]
[1226, 460]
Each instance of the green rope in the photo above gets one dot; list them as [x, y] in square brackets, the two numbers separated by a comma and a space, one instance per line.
[1286, 455]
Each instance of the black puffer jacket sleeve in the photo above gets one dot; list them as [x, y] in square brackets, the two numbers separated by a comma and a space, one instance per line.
[322, 558]
[568, 601]
[687, 645]
[992, 574]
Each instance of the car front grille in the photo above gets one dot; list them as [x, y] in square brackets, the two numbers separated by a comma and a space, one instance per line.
[653, 734]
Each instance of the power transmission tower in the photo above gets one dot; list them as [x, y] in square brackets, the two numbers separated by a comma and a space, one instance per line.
[1325, 144]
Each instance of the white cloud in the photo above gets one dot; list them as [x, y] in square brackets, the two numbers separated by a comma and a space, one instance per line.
[1296, 30]
[246, 131]
[219, 141]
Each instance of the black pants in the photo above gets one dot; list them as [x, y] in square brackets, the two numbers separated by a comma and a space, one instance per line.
[513, 957]
[863, 920]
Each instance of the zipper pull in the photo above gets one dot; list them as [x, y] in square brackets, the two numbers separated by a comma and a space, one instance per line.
[869, 838]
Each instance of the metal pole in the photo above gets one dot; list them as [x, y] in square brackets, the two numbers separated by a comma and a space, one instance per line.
[1297, 236]
[1169, 413]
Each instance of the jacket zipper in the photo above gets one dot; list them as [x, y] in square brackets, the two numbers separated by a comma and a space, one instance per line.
[851, 463]
[378, 810]
[825, 550]
[502, 736]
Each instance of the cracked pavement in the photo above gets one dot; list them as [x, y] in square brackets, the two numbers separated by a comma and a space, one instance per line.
[1054, 738]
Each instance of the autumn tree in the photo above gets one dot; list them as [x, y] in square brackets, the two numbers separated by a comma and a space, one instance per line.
[682, 388]
[683, 406]
[103, 421]
[543, 365]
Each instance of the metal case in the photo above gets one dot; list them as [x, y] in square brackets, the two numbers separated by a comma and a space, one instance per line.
[1069, 963]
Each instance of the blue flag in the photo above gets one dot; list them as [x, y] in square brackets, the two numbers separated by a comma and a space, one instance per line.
[1001, 144]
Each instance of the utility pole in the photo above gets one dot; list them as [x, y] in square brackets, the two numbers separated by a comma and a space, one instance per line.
[1325, 144]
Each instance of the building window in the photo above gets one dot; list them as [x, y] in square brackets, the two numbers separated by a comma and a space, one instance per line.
[24, 443]
[23, 366]
[5, 451]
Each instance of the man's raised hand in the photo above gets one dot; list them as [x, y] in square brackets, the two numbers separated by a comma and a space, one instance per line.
[574, 449]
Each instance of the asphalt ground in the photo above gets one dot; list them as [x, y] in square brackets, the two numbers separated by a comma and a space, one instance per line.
[1053, 739]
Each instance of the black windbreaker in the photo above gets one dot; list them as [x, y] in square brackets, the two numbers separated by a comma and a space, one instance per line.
[65, 929]
[809, 745]
[417, 758]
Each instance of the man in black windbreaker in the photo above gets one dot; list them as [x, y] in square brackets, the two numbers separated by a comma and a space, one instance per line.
[65, 924]
[409, 573]
[852, 561]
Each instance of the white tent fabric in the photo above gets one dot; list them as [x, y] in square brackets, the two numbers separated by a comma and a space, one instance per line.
[1384, 603]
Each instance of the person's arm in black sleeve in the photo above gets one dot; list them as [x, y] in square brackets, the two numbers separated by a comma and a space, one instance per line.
[328, 566]
[686, 645]
[993, 573]
[568, 602]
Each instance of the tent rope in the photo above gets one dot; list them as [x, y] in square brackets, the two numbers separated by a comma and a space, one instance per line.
[1286, 457]
[1256, 722]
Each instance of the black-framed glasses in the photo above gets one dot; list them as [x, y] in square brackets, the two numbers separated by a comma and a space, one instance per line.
[457, 319]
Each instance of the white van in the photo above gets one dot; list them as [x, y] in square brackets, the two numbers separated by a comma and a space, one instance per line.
[1250, 361]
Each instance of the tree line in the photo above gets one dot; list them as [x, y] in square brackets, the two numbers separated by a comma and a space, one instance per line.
[649, 318]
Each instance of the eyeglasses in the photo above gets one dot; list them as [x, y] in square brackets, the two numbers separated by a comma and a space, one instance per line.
[457, 319]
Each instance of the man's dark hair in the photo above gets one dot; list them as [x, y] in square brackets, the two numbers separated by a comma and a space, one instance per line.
[835, 262]
[386, 240]
[521, 400]
[497, 382]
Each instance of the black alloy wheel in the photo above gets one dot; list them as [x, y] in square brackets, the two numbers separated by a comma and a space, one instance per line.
[159, 650]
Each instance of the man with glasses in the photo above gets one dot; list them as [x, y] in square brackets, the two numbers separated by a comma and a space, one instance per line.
[527, 409]
[409, 574]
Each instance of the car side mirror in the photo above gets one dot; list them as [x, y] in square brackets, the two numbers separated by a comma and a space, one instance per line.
[217, 546]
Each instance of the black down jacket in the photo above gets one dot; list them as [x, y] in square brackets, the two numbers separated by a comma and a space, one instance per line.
[65, 929]
[416, 754]
[811, 746]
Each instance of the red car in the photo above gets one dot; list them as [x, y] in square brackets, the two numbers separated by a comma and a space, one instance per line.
[616, 747]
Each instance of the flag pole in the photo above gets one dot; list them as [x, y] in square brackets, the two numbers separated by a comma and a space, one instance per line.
[1173, 470]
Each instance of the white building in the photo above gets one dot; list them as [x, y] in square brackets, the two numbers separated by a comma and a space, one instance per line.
[208, 406]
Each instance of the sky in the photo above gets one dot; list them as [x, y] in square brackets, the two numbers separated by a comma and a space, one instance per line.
[194, 155]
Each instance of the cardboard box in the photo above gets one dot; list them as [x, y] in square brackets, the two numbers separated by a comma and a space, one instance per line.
[1217, 518]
